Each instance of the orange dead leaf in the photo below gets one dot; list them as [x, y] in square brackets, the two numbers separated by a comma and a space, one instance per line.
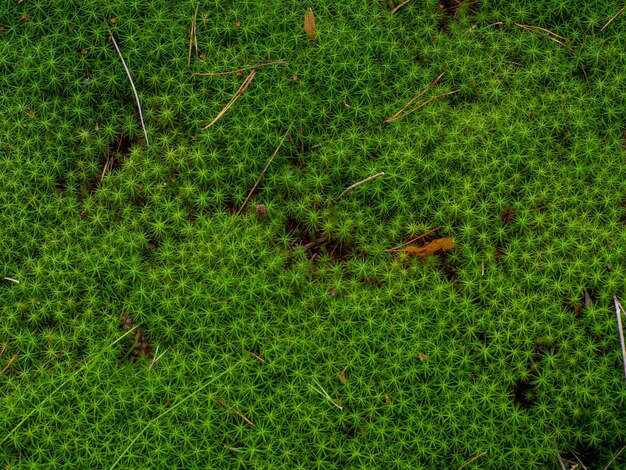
[387, 400]
[436, 245]
[423, 356]
[309, 25]
[342, 376]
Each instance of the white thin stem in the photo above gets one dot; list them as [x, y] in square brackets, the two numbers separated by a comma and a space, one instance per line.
[11, 279]
[132, 84]
[370, 178]
[618, 310]
[323, 392]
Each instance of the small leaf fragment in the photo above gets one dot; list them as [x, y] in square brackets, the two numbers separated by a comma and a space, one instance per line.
[309, 25]
[436, 245]
[342, 376]
[423, 357]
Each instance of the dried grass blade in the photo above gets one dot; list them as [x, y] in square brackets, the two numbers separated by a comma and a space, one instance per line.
[232, 72]
[613, 17]
[239, 92]
[423, 104]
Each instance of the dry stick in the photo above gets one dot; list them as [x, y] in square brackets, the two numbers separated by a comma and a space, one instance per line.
[239, 92]
[475, 89]
[399, 6]
[359, 183]
[192, 35]
[614, 457]
[294, 145]
[525, 26]
[259, 358]
[471, 460]
[3, 348]
[195, 28]
[561, 463]
[614, 16]
[536, 28]
[413, 240]
[9, 364]
[423, 104]
[223, 403]
[48, 362]
[231, 72]
[133, 85]
[618, 309]
[417, 96]
[586, 77]
[264, 170]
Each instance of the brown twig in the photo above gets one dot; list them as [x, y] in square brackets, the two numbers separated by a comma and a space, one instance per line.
[3, 348]
[475, 89]
[613, 17]
[231, 72]
[192, 35]
[293, 144]
[132, 84]
[424, 104]
[370, 178]
[548, 32]
[47, 362]
[195, 29]
[239, 92]
[412, 240]
[471, 460]
[399, 6]
[223, 403]
[433, 83]
[264, 169]
[9, 364]
[259, 358]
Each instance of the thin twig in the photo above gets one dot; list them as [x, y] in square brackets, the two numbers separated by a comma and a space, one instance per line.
[614, 16]
[321, 391]
[259, 358]
[412, 240]
[11, 279]
[239, 92]
[475, 89]
[195, 28]
[525, 26]
[223, 403]
[3, 348]
[264, 169]
[130, 78]
[618, 309]
[48, 362]
[561, 463]
[549, 33]
[433, 83]
[231, 72]
[614, 457]
[586, 77]
[471, 460]
[9, 364]
[423, 104]
[370, 178]
[399, 6]
[192, 35]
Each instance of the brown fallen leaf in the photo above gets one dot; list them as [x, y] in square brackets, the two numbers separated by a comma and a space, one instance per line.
[387, 399]
[423, 356]
[342, 376]
[436, 245]
[309, 25]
